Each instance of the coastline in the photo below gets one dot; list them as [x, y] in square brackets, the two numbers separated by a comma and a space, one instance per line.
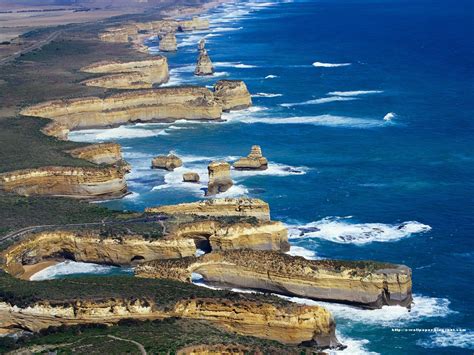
[31, 270]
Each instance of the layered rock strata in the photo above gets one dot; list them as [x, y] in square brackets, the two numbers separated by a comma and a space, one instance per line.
[168, 162]
[165, 104]
[102, 153]
[204, 64]
[78, 182]
[195, 24]
[141, 74]
[363, 283]
[219, 207]
[92, 247]
[219, 178]
[168, 42]
[232, 95]
[191, 177]
[291, 324]
[254, 161]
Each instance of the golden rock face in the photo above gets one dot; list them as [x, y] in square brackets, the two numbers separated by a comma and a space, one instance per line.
[168, 42]
[141, 74]
[219, 207]
[290, 324]
[192, 103]
[102, 153]
[232, 95]
[367, 284]
[168, 162]
[78, 182]
[254, 161]
[219, 178]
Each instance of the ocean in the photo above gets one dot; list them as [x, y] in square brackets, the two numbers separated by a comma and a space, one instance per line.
[364, 109]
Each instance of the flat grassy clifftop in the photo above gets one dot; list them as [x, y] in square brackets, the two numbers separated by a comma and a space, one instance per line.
[157, 337]
[164, 292]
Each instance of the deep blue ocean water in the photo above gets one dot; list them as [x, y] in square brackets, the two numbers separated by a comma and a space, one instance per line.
[348, 183]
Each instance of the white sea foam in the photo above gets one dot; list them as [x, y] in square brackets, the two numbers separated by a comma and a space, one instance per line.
[330, 65]
[71, 267]
[234, 65]
[321, 120]
[300, 251]
[264, 94]
[271, 76]
[274, 169]
[225, 29]
[353, 346]
[354, 93]
[341, 230]
[388, 316]
[322, 100]
[444, 339]
[122, 132]
[389, 116]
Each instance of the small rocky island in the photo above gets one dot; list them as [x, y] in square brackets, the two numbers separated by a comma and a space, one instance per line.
[254, 161]
[204, 65]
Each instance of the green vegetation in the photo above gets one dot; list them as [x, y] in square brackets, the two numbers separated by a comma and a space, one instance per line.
[157, 337]
[164, 292]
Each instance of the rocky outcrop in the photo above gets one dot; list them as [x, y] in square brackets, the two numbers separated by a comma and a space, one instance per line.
[141, 74]
[78, 182]
[168, 162]
[254, 161]
[91, 246]
[168, 42]
[219, 234]
[204, 65]
[195, 24]
[163, 104]
[219, 207]
[232, 95]
[287, 323]
[102, 153]
[363, 283]
[130, 31]
[191, 177]
[219, 178]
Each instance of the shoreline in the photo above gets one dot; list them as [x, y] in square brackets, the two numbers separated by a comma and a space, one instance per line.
[33, 269]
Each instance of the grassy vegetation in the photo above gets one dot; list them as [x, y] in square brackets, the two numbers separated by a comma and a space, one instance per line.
[157, 337]
[64, 291]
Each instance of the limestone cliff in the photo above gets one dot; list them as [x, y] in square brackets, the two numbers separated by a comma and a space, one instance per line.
[102, 153]
[91, 246]
[219, 207]
[254, 161]
[219, 178]
[168, 162]
[78, 182]
[165, 104]
[291, 324]
[195, 24]
[141, 74]
[367, 284]
[232, 95]
[204, 65]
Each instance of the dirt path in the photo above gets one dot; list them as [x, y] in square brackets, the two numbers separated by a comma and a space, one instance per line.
[33, 47]
[140, 346]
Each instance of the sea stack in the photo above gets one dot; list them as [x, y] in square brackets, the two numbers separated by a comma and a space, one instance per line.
[254, 161]
[191, 177]
[232, 95]
[219, 178]
[204, 64]
[168, 162]
[168, 41]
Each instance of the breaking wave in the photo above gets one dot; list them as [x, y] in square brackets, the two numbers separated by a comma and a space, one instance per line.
[444, 339]
[234, 65]
[341, 230]
[271, 76]
[264, 94]
[122, 132]
[354, 93]
[72, 268]
[330, 65]
[303, 252]
[322, 100]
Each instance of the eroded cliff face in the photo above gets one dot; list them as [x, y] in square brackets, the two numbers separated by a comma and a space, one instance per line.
[168, 42]
[90, 246]
[102, 153]
[217, 235]
[192, 103]
[78, 182]
[292, 324]
[129, 32]
[219, 207]
[219, 178]
[141, 74]
[232, 95]
[367, 284]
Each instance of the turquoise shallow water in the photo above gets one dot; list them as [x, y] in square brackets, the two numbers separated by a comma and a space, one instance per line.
[348, 183]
